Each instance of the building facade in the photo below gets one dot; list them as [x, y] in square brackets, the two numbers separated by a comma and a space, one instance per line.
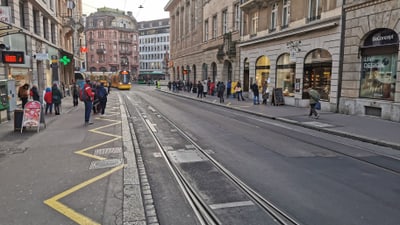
[45, 32]
[370, 85]
[292, 45]
[112, 41]
[203, 40]
[154, 49]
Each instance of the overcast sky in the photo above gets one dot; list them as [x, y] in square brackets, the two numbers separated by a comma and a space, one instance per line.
[152, 9]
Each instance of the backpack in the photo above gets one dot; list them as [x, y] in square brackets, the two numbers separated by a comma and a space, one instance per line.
[82, 94]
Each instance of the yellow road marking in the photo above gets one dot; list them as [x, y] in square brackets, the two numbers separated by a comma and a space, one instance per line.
[70, 213]
[65, 210]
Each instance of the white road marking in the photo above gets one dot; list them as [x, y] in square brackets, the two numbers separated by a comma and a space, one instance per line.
[231, 205]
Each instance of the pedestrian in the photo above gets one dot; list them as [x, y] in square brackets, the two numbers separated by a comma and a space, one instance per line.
[34, 93]
[87, 97]
[48, 98]
[314, 99]
[109, 87]
[96, 101]
[101, 92]
[228, 88]
[75, 94]
[256, 93]
[63, 89]
[199, 89]
[56, 98]
[265, 93]
[221, 91]
[23, 94]
[205, 87]
[238, 90]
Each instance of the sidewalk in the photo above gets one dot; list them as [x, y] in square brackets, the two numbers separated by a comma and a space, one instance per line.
[364, 128]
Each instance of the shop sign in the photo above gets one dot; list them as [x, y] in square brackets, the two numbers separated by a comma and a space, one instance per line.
[382, 37]
[42, 56]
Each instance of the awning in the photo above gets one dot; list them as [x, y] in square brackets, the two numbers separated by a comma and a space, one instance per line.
[7, 29]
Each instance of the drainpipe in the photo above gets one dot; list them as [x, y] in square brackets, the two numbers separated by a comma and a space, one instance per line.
[341, 57]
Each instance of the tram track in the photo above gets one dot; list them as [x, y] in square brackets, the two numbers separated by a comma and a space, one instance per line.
[203, 211]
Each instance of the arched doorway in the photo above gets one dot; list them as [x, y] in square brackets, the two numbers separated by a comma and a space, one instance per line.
[204, 71]
[317, 73]
[213, 71]
[194, 73]
[187, 78]
[262, 70]
[246, 74]
[227, 71]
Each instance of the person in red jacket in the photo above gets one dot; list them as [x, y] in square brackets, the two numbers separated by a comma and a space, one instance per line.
[48, 98]
[88, 97]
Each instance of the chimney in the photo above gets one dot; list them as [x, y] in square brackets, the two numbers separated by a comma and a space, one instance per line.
[130, 13]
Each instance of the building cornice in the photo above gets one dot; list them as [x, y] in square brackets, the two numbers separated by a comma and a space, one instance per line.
[358, 5]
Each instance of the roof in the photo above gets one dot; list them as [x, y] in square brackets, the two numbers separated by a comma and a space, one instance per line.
[7, 29]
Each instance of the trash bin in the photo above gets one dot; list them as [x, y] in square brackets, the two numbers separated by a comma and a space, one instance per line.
[18, 116]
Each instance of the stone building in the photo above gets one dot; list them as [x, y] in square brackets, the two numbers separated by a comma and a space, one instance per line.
[370, 85]
[203, 40]
[290, 45]
[43, 32]
[112, 41]
[154, 49]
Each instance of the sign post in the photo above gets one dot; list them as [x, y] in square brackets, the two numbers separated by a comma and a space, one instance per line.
[32, 115]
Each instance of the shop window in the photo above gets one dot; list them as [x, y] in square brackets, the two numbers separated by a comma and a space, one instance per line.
[379, 65]
[262, 71]
[285, 74]
[317, 73]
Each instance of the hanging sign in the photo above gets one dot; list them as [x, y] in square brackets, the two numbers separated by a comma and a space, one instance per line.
[32, 113]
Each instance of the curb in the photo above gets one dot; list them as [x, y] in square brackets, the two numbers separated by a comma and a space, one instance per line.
[294, 122]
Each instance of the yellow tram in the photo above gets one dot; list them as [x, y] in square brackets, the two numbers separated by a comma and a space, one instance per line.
[122, 80]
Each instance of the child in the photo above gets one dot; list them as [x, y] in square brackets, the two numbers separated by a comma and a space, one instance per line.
[48, 98]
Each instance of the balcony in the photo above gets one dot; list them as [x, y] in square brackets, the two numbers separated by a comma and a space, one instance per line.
[125, 52]
[125, 40]
[252, 4]
[101, 51]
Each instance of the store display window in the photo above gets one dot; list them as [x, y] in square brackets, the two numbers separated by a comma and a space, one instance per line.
[317, 73]
[262, 71]
[285, 74]
[379, 65]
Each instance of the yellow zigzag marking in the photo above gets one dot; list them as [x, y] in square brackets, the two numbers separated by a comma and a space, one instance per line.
[65, 210]
[96, 130]
[70, 213]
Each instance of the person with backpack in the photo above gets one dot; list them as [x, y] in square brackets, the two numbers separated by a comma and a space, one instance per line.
[256, 93]
[102, 93]
[314, 100]
[48, 98]
[57, 96]
[87, 97]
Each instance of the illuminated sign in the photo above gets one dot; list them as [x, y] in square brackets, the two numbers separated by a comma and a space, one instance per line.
[13, 57]
[65, 60]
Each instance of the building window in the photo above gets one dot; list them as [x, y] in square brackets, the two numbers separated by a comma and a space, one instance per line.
[206, 30]
[379, 65]
[53, 35]
[36, 21]
[237, 16]
[274, 13]
[254, 23]
[285, 74]
[45, 29]
[22, 14]
[314, 10]
[285, 13]
[225, 21]
[214, 27]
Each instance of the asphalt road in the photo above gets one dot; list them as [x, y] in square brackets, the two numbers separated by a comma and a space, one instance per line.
[316, 178]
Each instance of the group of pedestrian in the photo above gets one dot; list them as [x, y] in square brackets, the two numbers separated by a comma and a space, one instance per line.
[94, 96]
